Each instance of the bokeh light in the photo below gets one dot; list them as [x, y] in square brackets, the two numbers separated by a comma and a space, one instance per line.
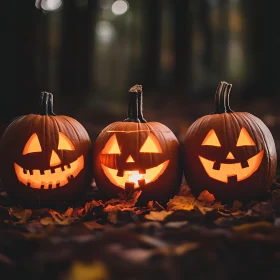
[48, 5]
[119, 7]
[105, 31]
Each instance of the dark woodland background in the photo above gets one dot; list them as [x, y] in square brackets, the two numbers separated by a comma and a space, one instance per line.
[179, 50]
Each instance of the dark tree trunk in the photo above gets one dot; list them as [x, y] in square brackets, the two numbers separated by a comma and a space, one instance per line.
[182, 43]
[76, 60]
[27, 85]
[151, 42]
[207, 33]
[263, 42]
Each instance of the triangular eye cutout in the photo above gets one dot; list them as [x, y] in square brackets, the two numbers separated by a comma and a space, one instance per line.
[112, 146]
[151, 145]
[55, 160]
[32, 145]
[245, 139]
[211, 139]
[64, 143]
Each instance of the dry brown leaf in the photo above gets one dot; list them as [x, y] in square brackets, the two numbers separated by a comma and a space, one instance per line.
[58, 219]
[202, 208]
[47, 221]
[112, 216]
[218, 205]
[125, 202]
[62, 219]
[22, 214]
[88, 207]
[179, 202]
[206, 196]
[155, 205]
[157, 216]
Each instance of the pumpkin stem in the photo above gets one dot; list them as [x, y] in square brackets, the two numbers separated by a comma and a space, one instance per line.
[139, 89]
[135, 105]
[222, 98]
[46, 103]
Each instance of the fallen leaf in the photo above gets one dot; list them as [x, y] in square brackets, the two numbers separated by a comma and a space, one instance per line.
[62, 219]
[155, 205]
[22, 214]
[88, 207]
[47, 221]
[57, 218]
[179, 202]
[203, 209]
[206, 196]
[157, 216]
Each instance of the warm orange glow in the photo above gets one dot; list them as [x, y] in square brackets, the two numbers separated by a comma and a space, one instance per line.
[48, 180]
[130, 159]
[151, 145]
[245, 139]
[230, 156]
[64, 143]
[32, 145]
[234, 169]
[55, 160]
[112, 146]
[211, 139]
[151, 175]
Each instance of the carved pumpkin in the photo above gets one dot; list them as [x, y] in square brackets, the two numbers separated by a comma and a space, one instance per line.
[136, 154]
[230, 154]
[45, 158]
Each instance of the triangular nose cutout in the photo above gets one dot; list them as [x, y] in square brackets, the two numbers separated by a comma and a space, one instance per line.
[55, 160]
[230, 156]
[130, 159]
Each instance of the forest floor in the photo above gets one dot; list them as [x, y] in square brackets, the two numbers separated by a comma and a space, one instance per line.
[187, 238]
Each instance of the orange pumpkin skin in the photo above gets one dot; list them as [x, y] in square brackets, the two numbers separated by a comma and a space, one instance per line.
[43, 172]
[137, 155]
[236, 161]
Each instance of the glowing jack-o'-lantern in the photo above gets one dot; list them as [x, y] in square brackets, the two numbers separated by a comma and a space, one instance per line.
[136, 154]
[45, 157]
[231, 154]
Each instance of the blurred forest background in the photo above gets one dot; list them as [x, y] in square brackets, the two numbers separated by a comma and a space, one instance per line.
[88, 53]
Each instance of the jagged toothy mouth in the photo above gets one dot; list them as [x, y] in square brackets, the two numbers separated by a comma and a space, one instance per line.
[50, 178]
[134, 177]
[232, 169]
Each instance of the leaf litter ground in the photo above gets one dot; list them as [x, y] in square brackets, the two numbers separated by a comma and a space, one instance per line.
[186, 238]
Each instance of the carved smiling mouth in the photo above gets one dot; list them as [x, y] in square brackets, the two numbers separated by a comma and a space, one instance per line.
[50, 178]
[135, 177]
[232, 169]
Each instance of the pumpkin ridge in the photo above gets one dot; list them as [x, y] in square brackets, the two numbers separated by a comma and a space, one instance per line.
[267, 150]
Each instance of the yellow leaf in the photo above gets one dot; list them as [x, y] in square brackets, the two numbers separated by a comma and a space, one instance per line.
[88, 271]
[22, 214]
[179, 202]
[157, 216]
